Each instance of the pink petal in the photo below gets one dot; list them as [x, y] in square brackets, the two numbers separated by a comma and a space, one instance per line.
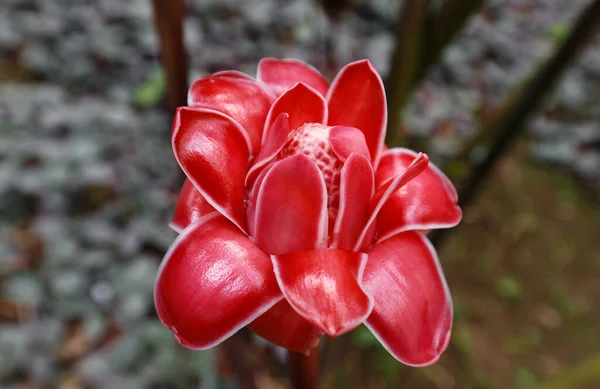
[357, 99]
[212, 150]
[427, 202]
[346, 140]
[212, 282]
[275, 137]
[233, 74]
[281, 325]
[281, 74]
[356, 193]
[291, 207]
[190, 207]
[412, 316]
[383, 193]
[323, 286]
[237, 96]
[303, 105]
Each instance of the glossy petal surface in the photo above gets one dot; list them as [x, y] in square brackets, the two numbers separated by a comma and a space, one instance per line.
[237, 96]
[212, 282]
[412, 316]
[191, 205]
[291, 207]
[356, 193]
[281, 74]
[281, 325]
[323, 286]
[275, 137]
[303, 105]
[357, 99]
[213, 152]
[346, 140]
[427, 202]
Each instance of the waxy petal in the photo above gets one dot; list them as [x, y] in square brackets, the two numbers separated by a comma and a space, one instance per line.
[213, 151]
[281, 325]
[275, 137]
[323, 286]
[412, 316]
[427, 202]
[356, 193]
[291, 207]
[191, 206]
[212, 282]
[417, 166]
[346, 140]
[281, 74]
[357, 99]
[303, 105]
[236, 95]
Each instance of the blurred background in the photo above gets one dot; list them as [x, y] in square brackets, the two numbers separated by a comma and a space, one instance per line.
[88, 184]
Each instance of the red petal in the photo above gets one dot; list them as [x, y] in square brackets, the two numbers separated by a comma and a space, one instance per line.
[281, 74]
[303, 105]
[323, 286]
[385, 191]
[357, 99]
[233, 74]
[275, 137]
[212, 282]
[235, 95]
[212, 150]
[190, 207]
[427, 202]
[281, 325]
[356, 193]
[345, 140]
[412, 317]
[291, 207]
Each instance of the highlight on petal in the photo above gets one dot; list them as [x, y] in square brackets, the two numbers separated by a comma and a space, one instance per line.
[412, 316]
[212, 282]
[324, 287]
[303, 105]
[346, 140]
[213, 151]
[275, 137]
[356, 193]
[281, 325]
[291, 207]
[383, 193]
[357, 99]
[242, 98]
[191, 206]
[427, 202]
[281, 74]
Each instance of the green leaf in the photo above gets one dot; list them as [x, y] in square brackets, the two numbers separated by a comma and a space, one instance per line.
[152, 91]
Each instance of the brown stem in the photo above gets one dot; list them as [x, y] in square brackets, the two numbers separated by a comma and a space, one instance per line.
[168, 19]
[304, 369]
[511, 124]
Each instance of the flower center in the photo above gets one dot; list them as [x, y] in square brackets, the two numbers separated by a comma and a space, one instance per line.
[312, 140]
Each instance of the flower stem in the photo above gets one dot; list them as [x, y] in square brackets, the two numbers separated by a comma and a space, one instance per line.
[304, 369]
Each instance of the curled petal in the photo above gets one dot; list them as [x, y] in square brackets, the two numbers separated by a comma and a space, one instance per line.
[191, 205]
[236, 95]
[357, 99]
[212, 282]
[412, 316]
[291, 207]
[356, 193]
[275, 137]
[323, 286]
[212, 150]
[346, 140]
[385, 191]
[427, 202]
[303, 105]
[281, 74]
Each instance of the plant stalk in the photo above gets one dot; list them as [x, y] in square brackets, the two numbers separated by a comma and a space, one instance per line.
[304, 369]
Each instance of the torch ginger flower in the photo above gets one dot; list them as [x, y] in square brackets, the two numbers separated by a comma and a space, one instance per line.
[296, 221]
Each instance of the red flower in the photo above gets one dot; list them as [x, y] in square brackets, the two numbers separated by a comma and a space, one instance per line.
[296, 221]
